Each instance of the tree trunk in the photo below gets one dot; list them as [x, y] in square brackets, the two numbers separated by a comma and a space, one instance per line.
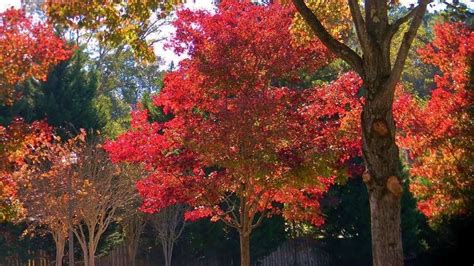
[91, 255]
[133, 228]
[60, 252]
[385, 226]
[85, 253]
[380, 76]
[382, 177]
[168, 251]
[244, 248]
[91, 260]
[131, 253]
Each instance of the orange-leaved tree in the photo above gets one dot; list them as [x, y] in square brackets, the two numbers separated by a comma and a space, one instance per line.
[103, 188]
[28, 49]
[15, 141]
[45, 182]
[438, 132]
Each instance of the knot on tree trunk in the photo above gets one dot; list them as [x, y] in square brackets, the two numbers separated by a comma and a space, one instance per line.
[393, 185]
[380, 127]
[366, 177]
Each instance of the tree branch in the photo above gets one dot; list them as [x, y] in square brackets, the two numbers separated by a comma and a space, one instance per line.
[338, 48]
[361, 29]
[406, 44]
[396, 25]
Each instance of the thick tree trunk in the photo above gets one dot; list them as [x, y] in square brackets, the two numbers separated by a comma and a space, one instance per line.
[382, 177]
[244, 248]
[385, 226]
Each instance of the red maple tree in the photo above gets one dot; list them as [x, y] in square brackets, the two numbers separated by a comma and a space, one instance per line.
[238, 147]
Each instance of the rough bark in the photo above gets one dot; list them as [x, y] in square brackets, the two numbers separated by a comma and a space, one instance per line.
[382, 163]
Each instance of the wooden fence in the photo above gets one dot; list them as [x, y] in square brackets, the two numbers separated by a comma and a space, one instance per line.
[116, 257]
[301, 252]
[38, 258]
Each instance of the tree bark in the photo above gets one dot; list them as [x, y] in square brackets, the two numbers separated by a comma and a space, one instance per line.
[386, 235]
[60, 244]
[382, 177]
[133, 228]
[85, 252]
[244, 248]
[168, 251]
[91, 255]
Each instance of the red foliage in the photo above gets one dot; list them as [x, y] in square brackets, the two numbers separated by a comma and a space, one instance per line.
[27, 49]
[237, 144]
[438, 134]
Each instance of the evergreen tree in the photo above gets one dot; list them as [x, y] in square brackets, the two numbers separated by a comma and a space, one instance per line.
[66, 99]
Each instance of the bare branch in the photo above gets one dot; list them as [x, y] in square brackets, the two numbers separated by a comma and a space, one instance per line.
[230, 223]
[337, 47]
[259, 220]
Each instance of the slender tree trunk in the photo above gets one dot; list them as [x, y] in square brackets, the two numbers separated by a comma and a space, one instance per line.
[85, 256]
[85, 253]
[382, 177]
[244, 248]
[91, 260]
[91, 255]
[60, 244]
[164, 246]
[133, 229]
[131, 254]
[168, 251]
